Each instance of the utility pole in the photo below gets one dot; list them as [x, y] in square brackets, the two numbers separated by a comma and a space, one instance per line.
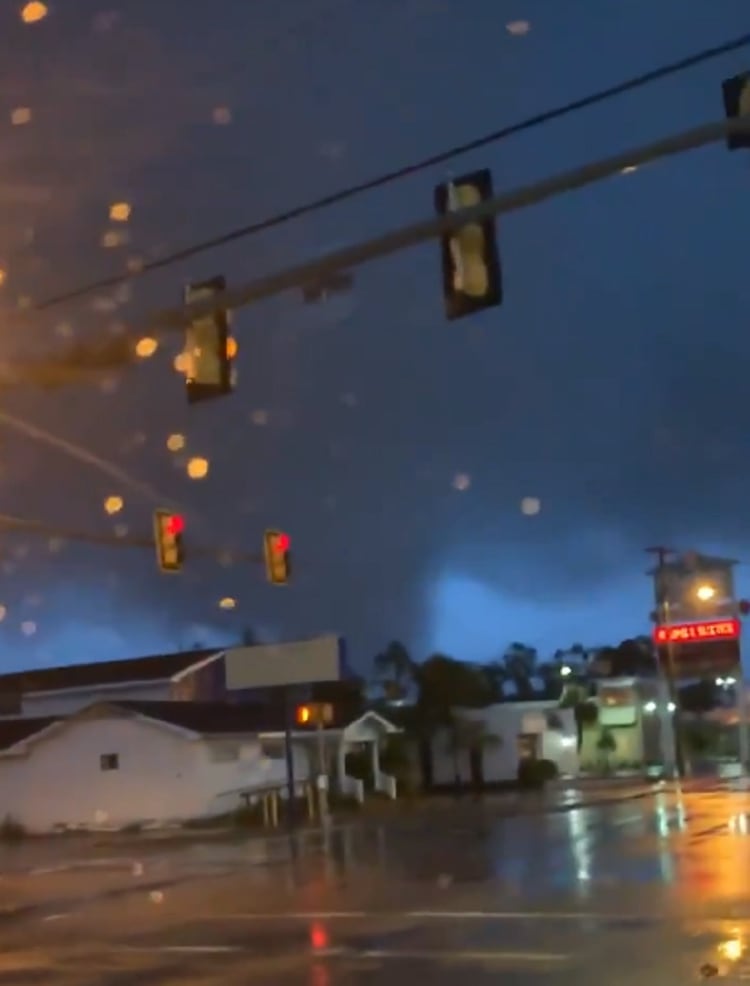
[671, 720]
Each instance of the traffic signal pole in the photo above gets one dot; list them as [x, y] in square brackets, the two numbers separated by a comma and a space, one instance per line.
[671, 722]
[291, 808]
[429, 229]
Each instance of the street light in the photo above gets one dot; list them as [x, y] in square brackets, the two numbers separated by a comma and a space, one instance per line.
[705, 592]
[566, 671]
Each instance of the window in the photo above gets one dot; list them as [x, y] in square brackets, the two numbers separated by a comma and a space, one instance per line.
[109, 761]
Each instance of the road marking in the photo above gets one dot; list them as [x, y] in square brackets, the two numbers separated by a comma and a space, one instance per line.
[465, 955]
[425, 915]
[511, 916]
[296, 916]
[188, 949]
[54, 917]
[435, 954]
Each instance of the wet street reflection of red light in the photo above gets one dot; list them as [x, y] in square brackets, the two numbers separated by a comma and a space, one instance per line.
[318, 936]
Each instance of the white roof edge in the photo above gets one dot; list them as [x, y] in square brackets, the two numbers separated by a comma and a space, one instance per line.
[65, 721]
[132, 683]
[203, 663]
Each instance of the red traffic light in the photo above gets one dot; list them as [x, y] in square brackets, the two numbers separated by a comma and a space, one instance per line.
[283, 542]
[174, 525]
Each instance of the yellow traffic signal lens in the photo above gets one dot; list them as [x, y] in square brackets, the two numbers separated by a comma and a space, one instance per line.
[303, 714]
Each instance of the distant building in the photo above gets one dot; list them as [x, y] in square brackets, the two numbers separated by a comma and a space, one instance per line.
[193, 676]
[504, 734]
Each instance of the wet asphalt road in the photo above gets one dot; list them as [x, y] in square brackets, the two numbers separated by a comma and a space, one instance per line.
[646, 891]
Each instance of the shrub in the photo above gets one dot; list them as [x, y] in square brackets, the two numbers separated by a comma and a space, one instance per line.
[549, 769]
[11, 830]
[534, 774]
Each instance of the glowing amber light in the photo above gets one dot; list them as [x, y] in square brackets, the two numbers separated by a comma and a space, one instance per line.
[227, 603]
[176, 442]
[303, 714]
[20, 116]
[113, 504]
[119, 212]
[182, 362]
[232, 347]
[685, 633]
[146, 347]
[197, 467]
[34, 11]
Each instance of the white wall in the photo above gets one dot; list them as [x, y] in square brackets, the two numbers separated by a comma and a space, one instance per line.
[506, 721]
[162, 776]
[64, 703]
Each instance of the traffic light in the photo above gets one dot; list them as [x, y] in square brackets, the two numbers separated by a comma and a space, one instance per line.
[472, 277]
[168, 528]
[304, 715]
[278, 557]
[314, 714]
[208, 349]
[736, 93]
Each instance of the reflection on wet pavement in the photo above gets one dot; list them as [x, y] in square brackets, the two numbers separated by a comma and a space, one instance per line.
[650, 890]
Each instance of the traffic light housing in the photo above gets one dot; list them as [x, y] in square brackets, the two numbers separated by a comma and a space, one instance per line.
[168, 529]
[314, 714]
[472, 276]
[207, 352]
[278, 557]
[736, 93]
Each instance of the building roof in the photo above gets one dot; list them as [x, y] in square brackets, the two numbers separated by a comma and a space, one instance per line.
[208, 718]
[13, 731]
[157, 667]
[202, 718]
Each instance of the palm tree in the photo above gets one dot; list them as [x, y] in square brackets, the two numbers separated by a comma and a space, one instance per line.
[606, 745]
[465, 735]
[395, 669]
[585, 711]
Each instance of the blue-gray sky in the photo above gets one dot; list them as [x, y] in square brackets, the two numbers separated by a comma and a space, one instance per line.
[393, 446]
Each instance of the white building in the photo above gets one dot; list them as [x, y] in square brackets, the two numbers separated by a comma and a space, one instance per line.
[116, 764]
[509, 731]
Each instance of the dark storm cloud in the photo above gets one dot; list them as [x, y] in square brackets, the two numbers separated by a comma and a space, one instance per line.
[610, 385]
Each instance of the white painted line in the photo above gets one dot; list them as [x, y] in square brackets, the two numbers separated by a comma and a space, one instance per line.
[297, 916]
[464, 955]
[510, 916]
[436, 954]
[54, 917]
[188, 949]
[424, 916]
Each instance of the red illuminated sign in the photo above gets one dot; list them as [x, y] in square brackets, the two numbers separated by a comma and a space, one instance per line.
[685, 633]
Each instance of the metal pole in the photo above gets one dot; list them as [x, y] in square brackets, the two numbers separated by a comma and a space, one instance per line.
[290, 784]
[322, 781]
[674, 718]
[429, 229]
[742, 726]
[671, 721]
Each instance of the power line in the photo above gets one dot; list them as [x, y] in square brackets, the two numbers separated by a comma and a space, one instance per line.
[428, 229]
[315, 205]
